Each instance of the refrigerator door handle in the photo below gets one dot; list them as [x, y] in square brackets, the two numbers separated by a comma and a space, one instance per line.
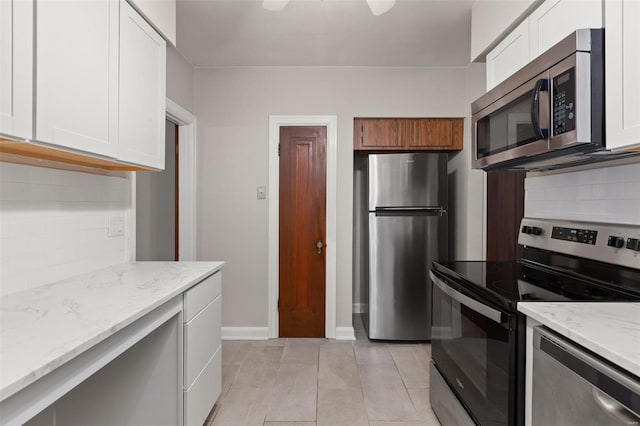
[410, 211]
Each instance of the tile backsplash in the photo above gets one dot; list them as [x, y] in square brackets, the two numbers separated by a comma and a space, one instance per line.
[54, 224]
[610, 194]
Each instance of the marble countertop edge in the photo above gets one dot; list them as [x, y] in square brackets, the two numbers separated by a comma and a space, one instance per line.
[611, 330]
[18, 383]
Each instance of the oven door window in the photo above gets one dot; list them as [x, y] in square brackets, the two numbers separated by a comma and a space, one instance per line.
[472, 352]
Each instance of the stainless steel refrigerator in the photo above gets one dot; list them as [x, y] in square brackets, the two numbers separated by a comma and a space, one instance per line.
[407, 218]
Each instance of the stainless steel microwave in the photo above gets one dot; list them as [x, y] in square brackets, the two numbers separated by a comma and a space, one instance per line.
[547, 115]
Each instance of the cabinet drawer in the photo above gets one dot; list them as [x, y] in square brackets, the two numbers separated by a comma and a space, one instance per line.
[201, 339]
[200, 398]
[201, 295]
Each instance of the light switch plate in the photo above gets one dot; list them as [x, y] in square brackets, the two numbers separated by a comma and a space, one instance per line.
[262, 192]
[116, 226]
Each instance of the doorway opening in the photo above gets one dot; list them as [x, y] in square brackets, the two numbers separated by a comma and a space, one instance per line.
[157, 230]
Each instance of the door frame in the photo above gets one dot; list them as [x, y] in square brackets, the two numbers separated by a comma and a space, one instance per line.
[331, 123]
[186, 185]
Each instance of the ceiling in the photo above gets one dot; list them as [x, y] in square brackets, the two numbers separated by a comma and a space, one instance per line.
[415, 33]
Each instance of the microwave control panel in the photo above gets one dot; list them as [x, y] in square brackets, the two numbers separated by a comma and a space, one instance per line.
[564, 101]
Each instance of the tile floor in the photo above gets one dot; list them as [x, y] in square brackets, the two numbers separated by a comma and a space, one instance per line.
[304, 382]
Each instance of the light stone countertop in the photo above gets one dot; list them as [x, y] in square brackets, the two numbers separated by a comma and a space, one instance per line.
[611, 330]
[45, 327]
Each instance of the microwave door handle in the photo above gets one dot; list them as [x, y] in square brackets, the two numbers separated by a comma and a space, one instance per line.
[542, 85]
[481, 308]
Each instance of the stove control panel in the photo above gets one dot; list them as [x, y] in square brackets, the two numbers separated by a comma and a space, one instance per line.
[605, 242]
[584, 236]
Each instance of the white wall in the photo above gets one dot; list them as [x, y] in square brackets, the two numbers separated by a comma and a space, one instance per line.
[53, 224]
[180, 79]
[467, 186]
[610, 194]
[233, 108]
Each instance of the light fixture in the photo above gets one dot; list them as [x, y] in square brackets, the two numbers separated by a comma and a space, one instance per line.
[377, 7]
[274, 5]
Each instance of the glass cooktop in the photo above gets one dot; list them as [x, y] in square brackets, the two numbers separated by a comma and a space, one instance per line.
[508, 283]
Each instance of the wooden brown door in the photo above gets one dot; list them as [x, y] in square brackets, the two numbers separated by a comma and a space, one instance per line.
[302, 205]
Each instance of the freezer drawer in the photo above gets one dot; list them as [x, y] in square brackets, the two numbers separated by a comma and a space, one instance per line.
[401, 250]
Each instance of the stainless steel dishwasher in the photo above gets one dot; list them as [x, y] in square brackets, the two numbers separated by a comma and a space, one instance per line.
[574, 387]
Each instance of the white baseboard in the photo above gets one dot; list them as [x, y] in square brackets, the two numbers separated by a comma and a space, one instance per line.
[245, 333]
[357, 308]
[262, 333]
[345, 333]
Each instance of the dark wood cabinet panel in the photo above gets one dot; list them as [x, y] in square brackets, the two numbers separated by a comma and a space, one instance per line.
[379, 133]
[432, 133]
[408, 134]
[505, 209]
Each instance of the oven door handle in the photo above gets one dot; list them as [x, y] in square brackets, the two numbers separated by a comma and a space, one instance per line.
[479, 307]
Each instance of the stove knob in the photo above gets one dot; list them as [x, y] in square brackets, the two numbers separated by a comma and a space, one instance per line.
[526, 229]
[536, 231]
[617, 242]
[633, 244]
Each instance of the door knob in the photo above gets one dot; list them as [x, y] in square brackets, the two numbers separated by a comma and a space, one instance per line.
[319, 246]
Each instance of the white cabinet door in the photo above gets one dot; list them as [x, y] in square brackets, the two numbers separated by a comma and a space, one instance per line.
[77, 74]
[622, 65]
[490, 19]
[556, 19]
[142, 101]
[161, 14]
[508, 56]
[16, 68]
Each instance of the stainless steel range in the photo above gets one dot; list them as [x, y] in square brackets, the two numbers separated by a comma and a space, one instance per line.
[478, 337]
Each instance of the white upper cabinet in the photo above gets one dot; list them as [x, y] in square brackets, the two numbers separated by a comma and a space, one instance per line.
[142, 91]
[622, 65]
[491, 20]
[99, 74]
[552, 21]
[508, 56]
[161, 14]
[556, 19]
[16, 68]
[77, 74]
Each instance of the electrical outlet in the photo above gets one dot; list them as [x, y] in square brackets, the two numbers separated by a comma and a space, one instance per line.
[116, 226]
[262, 192]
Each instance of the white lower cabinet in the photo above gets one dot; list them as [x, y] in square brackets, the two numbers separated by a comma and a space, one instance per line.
[139, 387]
[202, 395]
[202, 349]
